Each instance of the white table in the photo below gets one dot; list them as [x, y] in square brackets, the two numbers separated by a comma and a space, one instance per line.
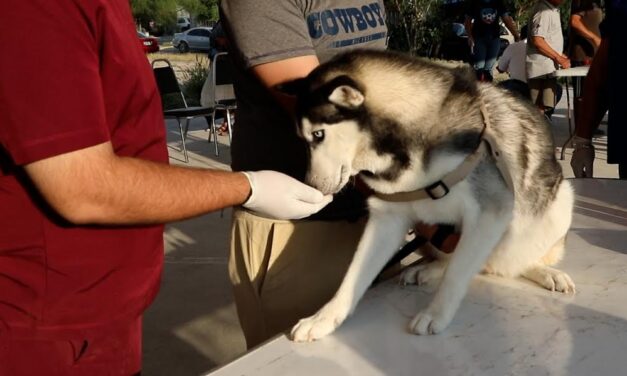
[580, 71]
[503, 327]
[575, 75]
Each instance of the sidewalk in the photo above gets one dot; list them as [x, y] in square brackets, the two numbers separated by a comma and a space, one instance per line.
[192, 326]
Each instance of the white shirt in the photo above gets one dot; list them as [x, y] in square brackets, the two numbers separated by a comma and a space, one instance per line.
[513, 61]
[545, 23]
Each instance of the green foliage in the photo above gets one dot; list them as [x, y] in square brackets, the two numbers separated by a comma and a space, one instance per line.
[521, 11]
[415, 26]
[162, 12]
[193, 79]
[418, 26]
[209, 13]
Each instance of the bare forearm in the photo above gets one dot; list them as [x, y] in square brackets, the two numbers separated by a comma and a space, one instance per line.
[278, 72]
[544, 48]
[95, 186]
[142, 191]
[580, 28]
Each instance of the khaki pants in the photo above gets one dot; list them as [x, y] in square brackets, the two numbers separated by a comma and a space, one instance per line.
[283, 271]
[543, 91]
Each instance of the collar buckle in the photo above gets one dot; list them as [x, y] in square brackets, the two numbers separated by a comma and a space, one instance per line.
[437, 190]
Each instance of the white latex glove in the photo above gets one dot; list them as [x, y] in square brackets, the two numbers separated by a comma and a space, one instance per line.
[582, 161]
[280, 196]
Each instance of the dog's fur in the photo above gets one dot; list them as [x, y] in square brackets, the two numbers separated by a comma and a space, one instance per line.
[402, 123]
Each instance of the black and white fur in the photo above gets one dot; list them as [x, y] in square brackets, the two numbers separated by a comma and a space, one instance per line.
[402, 123]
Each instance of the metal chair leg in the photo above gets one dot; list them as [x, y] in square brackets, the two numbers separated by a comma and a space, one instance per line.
[183, 131]
[214, 130]
[187, 120]
[228, 122]
[571, 132]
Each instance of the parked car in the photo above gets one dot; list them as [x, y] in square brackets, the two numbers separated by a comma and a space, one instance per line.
[196, 38]
[150, 44]
[183, 24]
[455, 47]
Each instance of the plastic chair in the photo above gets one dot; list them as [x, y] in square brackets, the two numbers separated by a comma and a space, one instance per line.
[168, 84]
[221, 96]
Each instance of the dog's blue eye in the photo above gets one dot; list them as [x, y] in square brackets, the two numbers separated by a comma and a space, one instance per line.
[318, 135]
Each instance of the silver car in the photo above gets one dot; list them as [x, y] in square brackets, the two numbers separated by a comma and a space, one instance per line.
[196, 38]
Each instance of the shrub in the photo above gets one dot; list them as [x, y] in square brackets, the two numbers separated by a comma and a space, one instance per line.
[194, 78]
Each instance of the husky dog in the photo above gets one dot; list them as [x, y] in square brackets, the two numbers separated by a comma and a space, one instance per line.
[437, 147]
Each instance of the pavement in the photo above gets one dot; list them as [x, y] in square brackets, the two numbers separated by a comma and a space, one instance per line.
[192, 326]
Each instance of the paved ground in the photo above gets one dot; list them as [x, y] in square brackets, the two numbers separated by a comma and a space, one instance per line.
[192, 327]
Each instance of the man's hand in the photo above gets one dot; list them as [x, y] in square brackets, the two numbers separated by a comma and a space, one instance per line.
[582, 161]
[563, 61]
[280, 196]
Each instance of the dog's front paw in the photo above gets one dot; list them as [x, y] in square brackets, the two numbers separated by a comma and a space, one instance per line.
[426, 322]
[551, 279]
[317, 326]
[557, 280]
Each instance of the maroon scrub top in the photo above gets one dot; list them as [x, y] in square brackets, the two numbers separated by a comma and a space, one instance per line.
[73, 76]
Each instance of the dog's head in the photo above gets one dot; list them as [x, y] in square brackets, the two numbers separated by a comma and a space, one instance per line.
[330, 117]
[368, 113]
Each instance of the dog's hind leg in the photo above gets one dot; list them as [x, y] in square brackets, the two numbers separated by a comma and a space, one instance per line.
[382, 237]
[480, 235]
[551, 278]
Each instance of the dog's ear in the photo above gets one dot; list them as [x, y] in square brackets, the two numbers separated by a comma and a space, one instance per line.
[293, 87]
[347, 96]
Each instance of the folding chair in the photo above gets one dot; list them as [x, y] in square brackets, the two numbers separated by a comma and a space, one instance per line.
[168, 84]
[222, 92]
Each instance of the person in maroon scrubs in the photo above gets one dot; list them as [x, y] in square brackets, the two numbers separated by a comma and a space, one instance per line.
[85, 187]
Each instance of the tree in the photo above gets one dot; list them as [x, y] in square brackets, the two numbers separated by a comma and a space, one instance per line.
[415, 26]
[521, 11]
[201, 11]
[162, 12]
[418, 26]
[210, 12]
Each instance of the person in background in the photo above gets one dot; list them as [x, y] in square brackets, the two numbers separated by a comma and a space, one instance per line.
[85, 187]
[513, 62]
[584, 41]
[545, 54]
[604, 90]
[219, 42]
[483, 29]
[585, 34]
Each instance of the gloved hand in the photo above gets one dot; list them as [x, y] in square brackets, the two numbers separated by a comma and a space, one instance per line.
[582, 161]
[280, 196]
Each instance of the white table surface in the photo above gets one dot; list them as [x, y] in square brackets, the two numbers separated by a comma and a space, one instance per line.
[503, 327]
[580, 71]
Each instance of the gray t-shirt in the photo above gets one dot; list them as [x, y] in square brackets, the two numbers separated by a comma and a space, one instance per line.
[263, 31]
[545, 23]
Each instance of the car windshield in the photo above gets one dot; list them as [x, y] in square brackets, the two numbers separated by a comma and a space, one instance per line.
[141, 35]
